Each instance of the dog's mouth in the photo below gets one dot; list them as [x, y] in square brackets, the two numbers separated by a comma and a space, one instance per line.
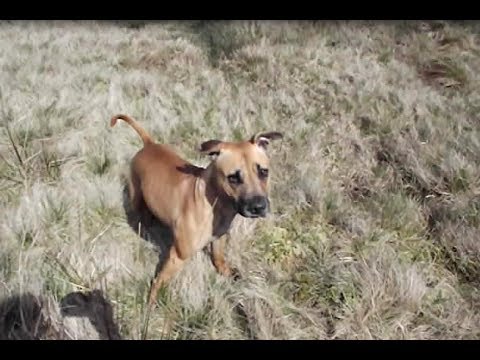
[250, 215]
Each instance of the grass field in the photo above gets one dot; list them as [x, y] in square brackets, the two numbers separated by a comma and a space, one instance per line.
[374, 231]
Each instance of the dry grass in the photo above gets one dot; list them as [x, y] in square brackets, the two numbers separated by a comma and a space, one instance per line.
[376, 187]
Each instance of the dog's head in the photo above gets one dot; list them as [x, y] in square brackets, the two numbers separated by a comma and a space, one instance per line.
[241, 170]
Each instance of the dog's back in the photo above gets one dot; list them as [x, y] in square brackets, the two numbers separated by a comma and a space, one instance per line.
[156, 164]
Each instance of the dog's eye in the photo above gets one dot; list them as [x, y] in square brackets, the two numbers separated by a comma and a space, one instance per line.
[263, 173]
[235, 178]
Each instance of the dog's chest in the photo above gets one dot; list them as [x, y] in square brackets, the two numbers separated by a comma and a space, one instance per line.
[212, 229]
[221, 226]
[222, 221]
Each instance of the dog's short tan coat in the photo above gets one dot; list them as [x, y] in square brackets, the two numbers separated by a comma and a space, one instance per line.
[199, 204]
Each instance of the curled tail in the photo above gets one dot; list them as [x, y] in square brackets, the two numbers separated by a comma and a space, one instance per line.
[143, 134]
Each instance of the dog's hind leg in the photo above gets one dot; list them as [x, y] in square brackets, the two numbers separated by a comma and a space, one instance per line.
[135, 192]
[138, 203]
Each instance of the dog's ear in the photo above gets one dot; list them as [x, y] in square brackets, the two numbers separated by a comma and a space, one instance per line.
[263, 139]
[211, 147]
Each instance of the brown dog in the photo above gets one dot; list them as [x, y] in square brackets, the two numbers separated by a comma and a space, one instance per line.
[199, 204]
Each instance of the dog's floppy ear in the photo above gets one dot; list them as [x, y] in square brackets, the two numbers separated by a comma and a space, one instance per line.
[211, 147]
[263, 139]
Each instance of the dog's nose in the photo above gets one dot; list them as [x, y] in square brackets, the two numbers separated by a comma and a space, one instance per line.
[257, 205]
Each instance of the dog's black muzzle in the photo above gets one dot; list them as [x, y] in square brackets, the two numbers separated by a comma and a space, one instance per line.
[254, 206]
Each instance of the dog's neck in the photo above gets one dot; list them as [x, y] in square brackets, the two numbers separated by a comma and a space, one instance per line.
[223, 206]
[214, 193]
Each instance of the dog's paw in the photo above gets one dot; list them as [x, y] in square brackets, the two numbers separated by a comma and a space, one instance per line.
[224, 270]
[228, 272]
[153, 306]
[235, 274]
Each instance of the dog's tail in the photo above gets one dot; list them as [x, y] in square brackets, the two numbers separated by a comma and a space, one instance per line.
[143, 134]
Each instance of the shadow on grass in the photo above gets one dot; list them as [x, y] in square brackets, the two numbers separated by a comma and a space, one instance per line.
[28, 317]
[96, 308]
[22, 317]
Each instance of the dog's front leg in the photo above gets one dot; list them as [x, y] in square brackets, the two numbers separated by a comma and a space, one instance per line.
[172, 264]
[218, 255]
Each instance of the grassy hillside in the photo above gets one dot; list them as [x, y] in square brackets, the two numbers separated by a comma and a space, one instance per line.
[376, 185]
